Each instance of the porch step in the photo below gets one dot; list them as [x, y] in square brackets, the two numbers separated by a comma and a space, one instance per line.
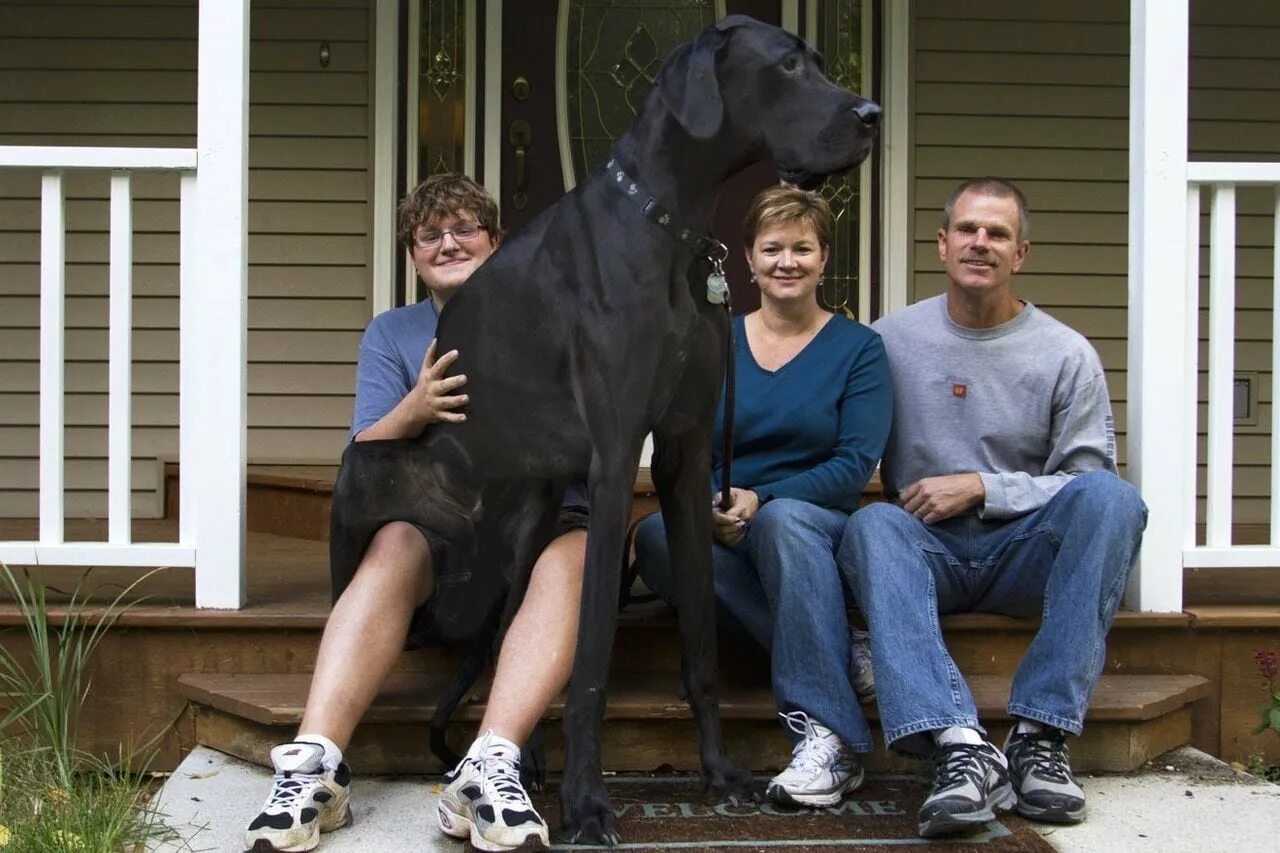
[1133, 718]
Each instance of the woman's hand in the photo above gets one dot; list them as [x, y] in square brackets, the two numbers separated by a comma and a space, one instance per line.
[729, 526]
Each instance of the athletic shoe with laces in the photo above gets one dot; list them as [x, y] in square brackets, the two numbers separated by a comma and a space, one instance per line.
[860, 671]
[970, 784]
[822, 769]
[484, 800]
[306, 799]
[1042, 777]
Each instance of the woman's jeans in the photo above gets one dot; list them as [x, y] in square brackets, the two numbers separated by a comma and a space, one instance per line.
[1065, 563]
[781, 585]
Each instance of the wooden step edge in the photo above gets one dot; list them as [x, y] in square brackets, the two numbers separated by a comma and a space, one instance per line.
[410, 697]
[1231, 616]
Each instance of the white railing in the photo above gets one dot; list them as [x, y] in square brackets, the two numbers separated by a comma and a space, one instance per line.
[1221, 179]
[118, 549]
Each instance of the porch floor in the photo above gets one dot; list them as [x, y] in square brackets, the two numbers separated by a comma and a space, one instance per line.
[288, 581]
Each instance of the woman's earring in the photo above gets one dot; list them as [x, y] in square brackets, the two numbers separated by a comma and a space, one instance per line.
[821, 279]
[753, 276]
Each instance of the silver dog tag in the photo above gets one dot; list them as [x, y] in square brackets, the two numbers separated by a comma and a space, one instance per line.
[717, 287]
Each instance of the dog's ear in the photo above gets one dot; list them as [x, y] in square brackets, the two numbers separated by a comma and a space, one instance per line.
[688, 86]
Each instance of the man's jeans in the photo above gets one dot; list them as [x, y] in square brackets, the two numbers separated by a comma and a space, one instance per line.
[1066, 563]
[780, 584]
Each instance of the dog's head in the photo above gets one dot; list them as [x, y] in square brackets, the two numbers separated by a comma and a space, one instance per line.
[760, 91]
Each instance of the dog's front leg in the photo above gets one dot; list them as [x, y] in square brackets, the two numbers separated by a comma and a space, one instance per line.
[680, 466]
[585, 810]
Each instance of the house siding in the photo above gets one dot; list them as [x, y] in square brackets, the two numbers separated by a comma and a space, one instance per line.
[124, 74]
[1039, 93]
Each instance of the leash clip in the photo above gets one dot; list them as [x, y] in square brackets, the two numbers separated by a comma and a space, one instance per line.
[717, 286]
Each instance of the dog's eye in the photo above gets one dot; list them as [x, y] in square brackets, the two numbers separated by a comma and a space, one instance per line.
[791, 64]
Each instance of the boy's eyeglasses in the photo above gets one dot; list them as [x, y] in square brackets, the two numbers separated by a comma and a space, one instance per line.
[462, 234]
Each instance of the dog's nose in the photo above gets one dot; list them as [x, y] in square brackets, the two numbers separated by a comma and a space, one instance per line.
[869, 114]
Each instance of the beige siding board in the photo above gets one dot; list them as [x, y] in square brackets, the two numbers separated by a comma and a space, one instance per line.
[177, 87]
[320, 346]
[1013, 36]
[160, 217]
[1056, 70]
[299, 379]
[960, 159]
[1021, 99]
[1024, 131]
[282, 282]
[90, 312]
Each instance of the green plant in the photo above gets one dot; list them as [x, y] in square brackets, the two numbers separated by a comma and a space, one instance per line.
[54, 796]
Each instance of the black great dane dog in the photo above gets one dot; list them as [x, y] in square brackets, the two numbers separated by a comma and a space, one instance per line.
[585, 331]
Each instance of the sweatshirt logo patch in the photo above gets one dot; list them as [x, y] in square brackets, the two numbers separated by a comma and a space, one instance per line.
[959, 389]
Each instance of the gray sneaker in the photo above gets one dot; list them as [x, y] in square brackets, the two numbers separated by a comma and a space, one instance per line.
[970, 784]
[860, 672]
[1042, 776]
[822, 770]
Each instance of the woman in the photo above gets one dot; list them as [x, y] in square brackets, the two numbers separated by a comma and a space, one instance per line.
[810, 422]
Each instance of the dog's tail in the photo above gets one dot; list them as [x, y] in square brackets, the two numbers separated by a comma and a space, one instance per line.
[474, 664]
[630, 571]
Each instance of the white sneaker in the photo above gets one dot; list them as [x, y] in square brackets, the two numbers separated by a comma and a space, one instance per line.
[306, 799]
[484, 800]
[822, 770]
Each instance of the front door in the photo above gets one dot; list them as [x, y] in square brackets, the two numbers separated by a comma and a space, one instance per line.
[569, 76]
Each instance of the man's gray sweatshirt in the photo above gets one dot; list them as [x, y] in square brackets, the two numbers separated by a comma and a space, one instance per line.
[1023, 404]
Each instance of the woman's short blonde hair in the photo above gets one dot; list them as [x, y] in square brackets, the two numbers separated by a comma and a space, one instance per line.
[446, 194]
[784, 204]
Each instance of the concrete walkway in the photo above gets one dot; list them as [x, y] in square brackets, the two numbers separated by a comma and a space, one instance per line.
[1185, 801]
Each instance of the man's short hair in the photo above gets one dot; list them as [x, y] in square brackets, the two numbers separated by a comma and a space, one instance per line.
[782, 205]
[998, 187]
[446, 194]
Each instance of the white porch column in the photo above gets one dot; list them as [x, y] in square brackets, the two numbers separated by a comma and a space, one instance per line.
[220, 281]
[1159, 357]
[895, 210]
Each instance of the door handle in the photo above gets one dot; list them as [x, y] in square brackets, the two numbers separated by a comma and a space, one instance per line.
[520, 135]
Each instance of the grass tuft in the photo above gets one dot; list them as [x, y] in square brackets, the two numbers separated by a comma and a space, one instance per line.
[53, 795]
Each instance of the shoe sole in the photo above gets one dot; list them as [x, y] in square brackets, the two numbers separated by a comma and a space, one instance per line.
[311, 842]
[817, 799]
[944, 823]
[1066, 816]
[457, 825]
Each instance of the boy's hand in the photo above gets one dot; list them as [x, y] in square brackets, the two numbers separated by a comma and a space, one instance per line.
[434, 397]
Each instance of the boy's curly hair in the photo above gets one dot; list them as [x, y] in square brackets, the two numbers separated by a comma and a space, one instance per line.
[446, 194]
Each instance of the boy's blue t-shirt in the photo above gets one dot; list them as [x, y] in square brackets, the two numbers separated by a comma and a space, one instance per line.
[814, 429]
[391, 354]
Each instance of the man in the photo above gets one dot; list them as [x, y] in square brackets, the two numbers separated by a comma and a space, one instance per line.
[1001, 472]
[449, 226]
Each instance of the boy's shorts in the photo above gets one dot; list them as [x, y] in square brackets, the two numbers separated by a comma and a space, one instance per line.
[423, 627]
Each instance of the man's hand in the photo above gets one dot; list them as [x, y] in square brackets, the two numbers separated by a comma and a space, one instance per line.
[729, 526]
[433, 397]
[935, 499]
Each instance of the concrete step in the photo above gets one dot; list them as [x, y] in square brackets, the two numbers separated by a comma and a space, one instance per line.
[1132, 719]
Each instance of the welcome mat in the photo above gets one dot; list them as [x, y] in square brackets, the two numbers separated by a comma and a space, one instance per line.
[670, 813]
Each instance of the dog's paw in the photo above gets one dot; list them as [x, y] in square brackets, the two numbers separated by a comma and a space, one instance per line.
[726, 782]
[588, 819]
